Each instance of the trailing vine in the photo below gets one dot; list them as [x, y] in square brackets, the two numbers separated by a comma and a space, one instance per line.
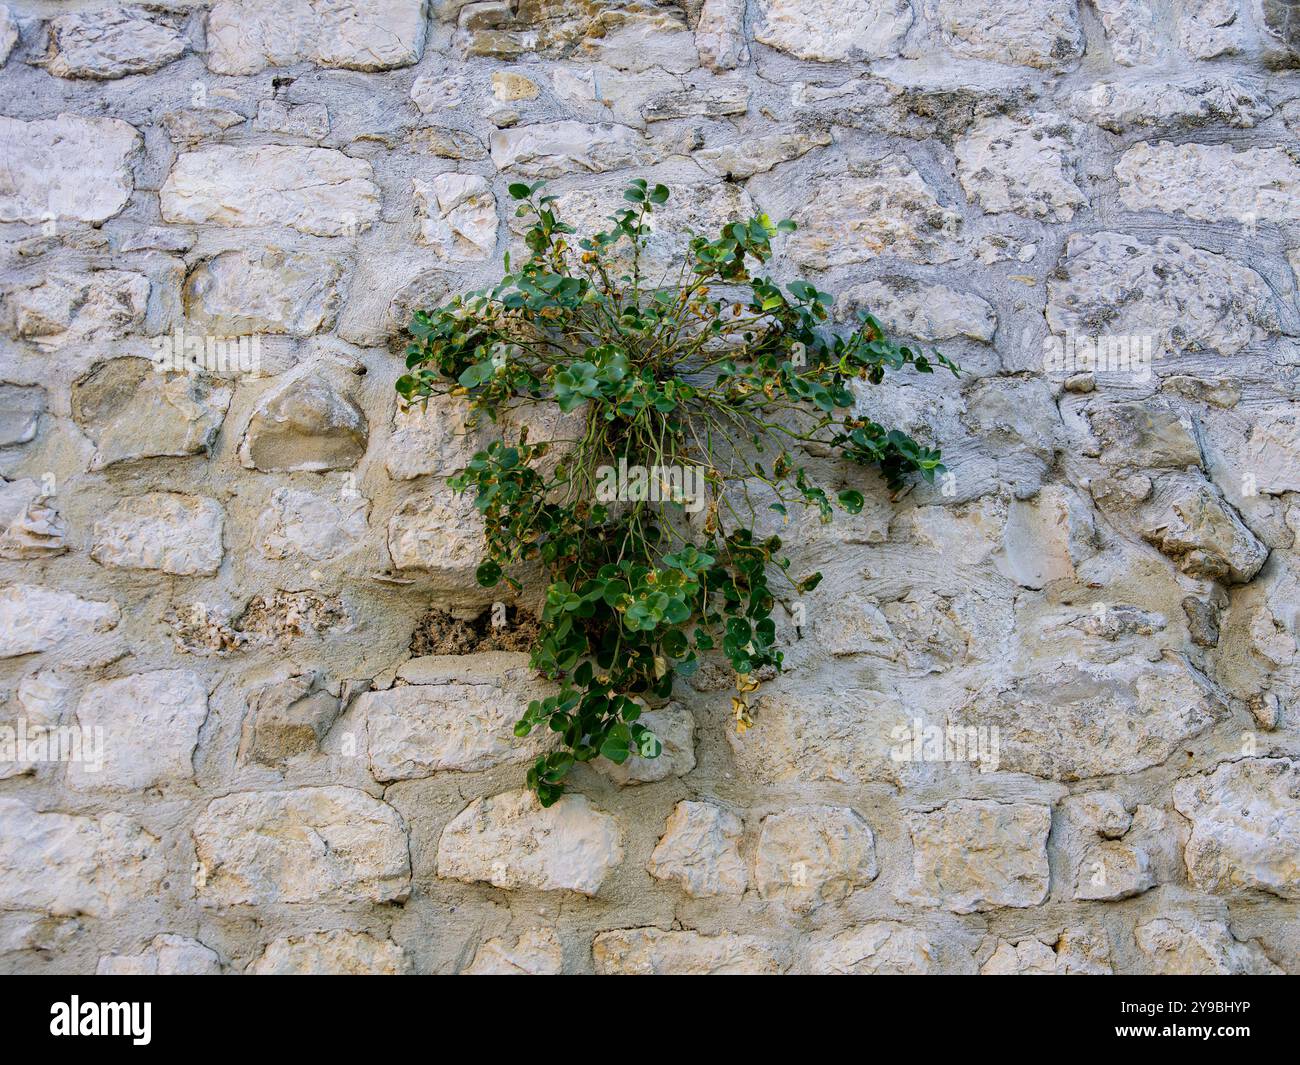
[691, 391]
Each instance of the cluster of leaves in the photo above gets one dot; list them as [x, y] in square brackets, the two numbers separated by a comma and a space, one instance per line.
[712, 367]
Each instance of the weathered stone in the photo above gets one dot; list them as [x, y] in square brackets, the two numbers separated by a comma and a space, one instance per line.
[876, 948]
[1130, 29]
[1113, 870]
[283, 616]
[319, 191]
[830, 32]
[1025, 166]
[549, 149]
[717, 99]
[811, 855]
[263, 290]
[245, 36]
[974, 854]
[298, 523]
[305, 424]
[66, 308]
[1044, 34]
[757, 155]
[30, 527]
[457, 214]
[911, 308]
[879, 208]
[460, 715]
[1190, 520]
[323, 844]
[509, 85]
[1211, 182]
[1146, 435]
[1183, 298]
[310, 121]
[1077, 951]
[536, 952]
[1245, 820]
[333, 953]
[1272, 451]
[194, 125]
[1281, 24]
[165, 955]
[167, 531]
[21, 407]
[1208, 29]
[440, 532]
[36, 619]
[111, 44]
[1081, 720]
[1102, 812]
[1122, 106]
[720, 34]
[287, 718]
[1183, 945]
[447, 143]
[70, 167]
[651, 951]
[132, 412]
[674, 726]
[699, 851]
[432, 437]
[8, 33]
[1045, 538]
[149, 723]
[511, 841]
[67, 865]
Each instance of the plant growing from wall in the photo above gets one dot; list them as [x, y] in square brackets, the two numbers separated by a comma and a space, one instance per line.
[695, 392]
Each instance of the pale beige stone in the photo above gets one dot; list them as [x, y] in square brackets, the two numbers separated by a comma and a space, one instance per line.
[68, 308]
[910, 308]
[165, 955]
[1180, 944]
[39, 619]
[441, 532]
[149, 724]
[246, 36]
[1043, 34]
[699, 851]
[315, 844]
[65, 864]
[334, 953]
[549, 149]
[830, 31]
[876, 948]
[811, 855]
[264, 290]
[1021, 165]
[975, 854]
[70, 167]
[536, 952]
[166, 531]
[651, 951]
[298, 523]
[307, 423]
[511, 841]
[319, 191]
[1245, 819]
[457, 214]
[111, 43]
[674, 727]
[1211, 182]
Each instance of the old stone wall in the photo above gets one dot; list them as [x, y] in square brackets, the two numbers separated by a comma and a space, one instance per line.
[1093, 206]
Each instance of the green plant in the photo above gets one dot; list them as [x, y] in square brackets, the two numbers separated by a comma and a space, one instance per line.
[716, 377]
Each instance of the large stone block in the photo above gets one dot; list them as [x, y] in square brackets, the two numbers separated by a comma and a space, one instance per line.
[511, 841]
[111, 43]
[66, 865]
[308, 424]
[149, 723]
[245, 36]
[319, 191]
[167, 531]
[71, 167]
[699, 851]
[36, 619]
[810, 855]
[974, 854]
[1245, 820]
[334, 953]
[324, 844]
[264, 290]
[654, 952]
[832, 31]
[1211, 182]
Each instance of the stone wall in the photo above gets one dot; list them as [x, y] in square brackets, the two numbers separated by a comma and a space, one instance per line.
[232, 573]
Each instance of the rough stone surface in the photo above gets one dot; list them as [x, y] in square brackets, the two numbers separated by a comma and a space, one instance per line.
[245, 36]
[336, 953]
[67, 167]
[166, 531]
[699, 850]
[511, 841]
[311, 844]
[975, 855]
[1087, 621]
[111, 44]
[1245, 826]
[319, 191]
[651, 951]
